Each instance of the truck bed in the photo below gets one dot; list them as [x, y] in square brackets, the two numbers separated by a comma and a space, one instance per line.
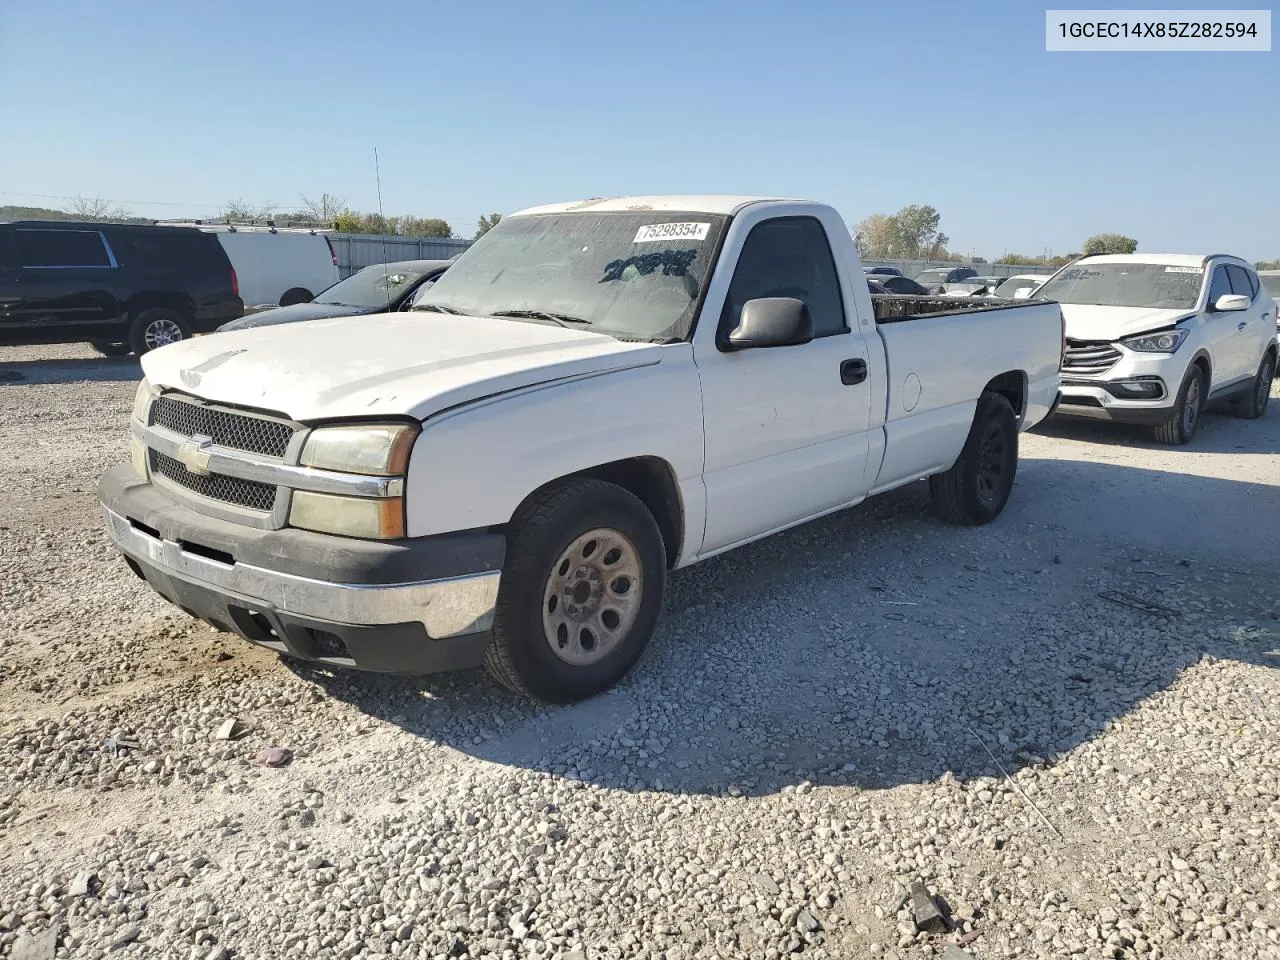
[897, 307]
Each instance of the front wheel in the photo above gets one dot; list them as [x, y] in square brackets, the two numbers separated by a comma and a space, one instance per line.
[1183, 419]
[1254, 405]
[581, 591]
[157, 327]
[976, 488]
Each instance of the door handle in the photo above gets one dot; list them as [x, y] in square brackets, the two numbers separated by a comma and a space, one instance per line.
[1242, 324]
[853, 371]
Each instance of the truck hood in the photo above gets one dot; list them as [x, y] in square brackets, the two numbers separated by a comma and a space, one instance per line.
[392, 364]
[1085, 321]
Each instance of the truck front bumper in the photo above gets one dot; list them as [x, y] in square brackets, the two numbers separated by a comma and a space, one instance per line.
[409, 606]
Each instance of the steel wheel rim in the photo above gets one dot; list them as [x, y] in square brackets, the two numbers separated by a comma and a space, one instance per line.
[1191, 406]
[592, 597]
[161, 333]
[991, 463]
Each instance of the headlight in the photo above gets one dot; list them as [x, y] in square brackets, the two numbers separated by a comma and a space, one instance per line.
[379, 449]
[142, 401]
[381, 519]
[1166, 341]
[138, 454]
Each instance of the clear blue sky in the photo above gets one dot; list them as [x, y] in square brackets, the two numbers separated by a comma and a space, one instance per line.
[482, 106]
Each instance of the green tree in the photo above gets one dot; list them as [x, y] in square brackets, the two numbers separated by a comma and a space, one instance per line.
[912, 233]
[424, 227]
[1109, 243]
[486, 224]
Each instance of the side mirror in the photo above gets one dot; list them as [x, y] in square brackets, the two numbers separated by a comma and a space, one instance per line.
[772, 322]
[1231, 302]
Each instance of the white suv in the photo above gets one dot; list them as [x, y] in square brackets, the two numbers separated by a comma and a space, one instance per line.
[1153, 338]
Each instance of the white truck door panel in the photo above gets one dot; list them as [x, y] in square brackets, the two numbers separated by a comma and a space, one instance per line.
[785, 436]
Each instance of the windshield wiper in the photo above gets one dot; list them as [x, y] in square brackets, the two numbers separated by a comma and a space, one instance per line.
[562, 319]
[438, 308]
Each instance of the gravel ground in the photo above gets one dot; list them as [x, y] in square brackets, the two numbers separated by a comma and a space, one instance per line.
[807, 736]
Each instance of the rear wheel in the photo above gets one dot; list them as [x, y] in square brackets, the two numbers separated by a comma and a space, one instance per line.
[109, 349]
[580, 594]
[157, 327]
[1181, 425]
[976, 488]
[1254, 404]
[295, 295]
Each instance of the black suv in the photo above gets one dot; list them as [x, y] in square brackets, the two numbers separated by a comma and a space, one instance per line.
[121, 287]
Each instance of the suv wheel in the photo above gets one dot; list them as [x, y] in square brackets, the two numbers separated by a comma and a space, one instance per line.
[580, 594]
[1183, 419]
[157, 327]
[1254, 404]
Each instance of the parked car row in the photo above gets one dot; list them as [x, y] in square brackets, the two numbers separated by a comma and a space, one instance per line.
[134, 287]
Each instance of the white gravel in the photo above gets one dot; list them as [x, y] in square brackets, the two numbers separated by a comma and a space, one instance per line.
[805, 737]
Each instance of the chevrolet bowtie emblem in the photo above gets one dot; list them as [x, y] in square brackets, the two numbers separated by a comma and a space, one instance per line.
[195, 455]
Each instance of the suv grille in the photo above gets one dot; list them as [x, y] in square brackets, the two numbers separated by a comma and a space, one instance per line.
[242, 493]
[225, 428]
[1089, 359]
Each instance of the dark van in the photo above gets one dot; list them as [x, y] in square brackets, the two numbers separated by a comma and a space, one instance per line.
[121, 287]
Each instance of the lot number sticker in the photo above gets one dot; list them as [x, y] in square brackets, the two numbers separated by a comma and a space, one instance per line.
[652, 232]
[1182, 269]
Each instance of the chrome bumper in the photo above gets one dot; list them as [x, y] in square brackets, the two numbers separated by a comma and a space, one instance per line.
[451, 607]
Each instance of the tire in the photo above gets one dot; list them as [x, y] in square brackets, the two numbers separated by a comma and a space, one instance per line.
[1254, 405]
[157, 327]
[109, 349]
[546, 646]
[1181, 425]
[296, 295]
[976, 488]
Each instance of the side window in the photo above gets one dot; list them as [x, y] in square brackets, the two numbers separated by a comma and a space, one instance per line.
[61, 248]
[1239, 277]
[1219, 286]
[787, 257]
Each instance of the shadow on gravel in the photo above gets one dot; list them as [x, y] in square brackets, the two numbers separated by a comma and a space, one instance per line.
[1219, 432]
[70, 370]
[868, 648]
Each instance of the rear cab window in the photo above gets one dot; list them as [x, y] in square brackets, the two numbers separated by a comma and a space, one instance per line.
[52, 249]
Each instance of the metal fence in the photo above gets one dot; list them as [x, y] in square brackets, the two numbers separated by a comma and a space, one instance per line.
[356, 251]
[910, 268]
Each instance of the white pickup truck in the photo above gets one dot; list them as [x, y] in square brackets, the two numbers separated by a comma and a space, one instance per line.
[594, 394]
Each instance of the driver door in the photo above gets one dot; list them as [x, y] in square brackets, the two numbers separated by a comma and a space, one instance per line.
[785, 427]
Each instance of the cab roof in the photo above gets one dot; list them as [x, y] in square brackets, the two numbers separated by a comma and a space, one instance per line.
[682, 204]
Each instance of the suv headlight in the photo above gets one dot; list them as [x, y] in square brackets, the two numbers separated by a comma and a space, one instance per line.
[142, 400]
[1166, 341]
[373, 449]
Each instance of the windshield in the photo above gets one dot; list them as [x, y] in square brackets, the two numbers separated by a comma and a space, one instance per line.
[932, 276]
[374, 286]
[630, 275]
[1013, 285]
[1152, 285]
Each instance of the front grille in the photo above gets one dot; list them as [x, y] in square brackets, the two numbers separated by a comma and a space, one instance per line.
[1089, 359]
[226, 428]
[242, 493]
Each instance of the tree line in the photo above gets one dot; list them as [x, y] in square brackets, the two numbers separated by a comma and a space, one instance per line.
[915, 233]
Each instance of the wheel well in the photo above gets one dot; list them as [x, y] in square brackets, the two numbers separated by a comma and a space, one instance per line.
[653, 483]
[1202, 361]
[1011, 385]
[145, 301]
